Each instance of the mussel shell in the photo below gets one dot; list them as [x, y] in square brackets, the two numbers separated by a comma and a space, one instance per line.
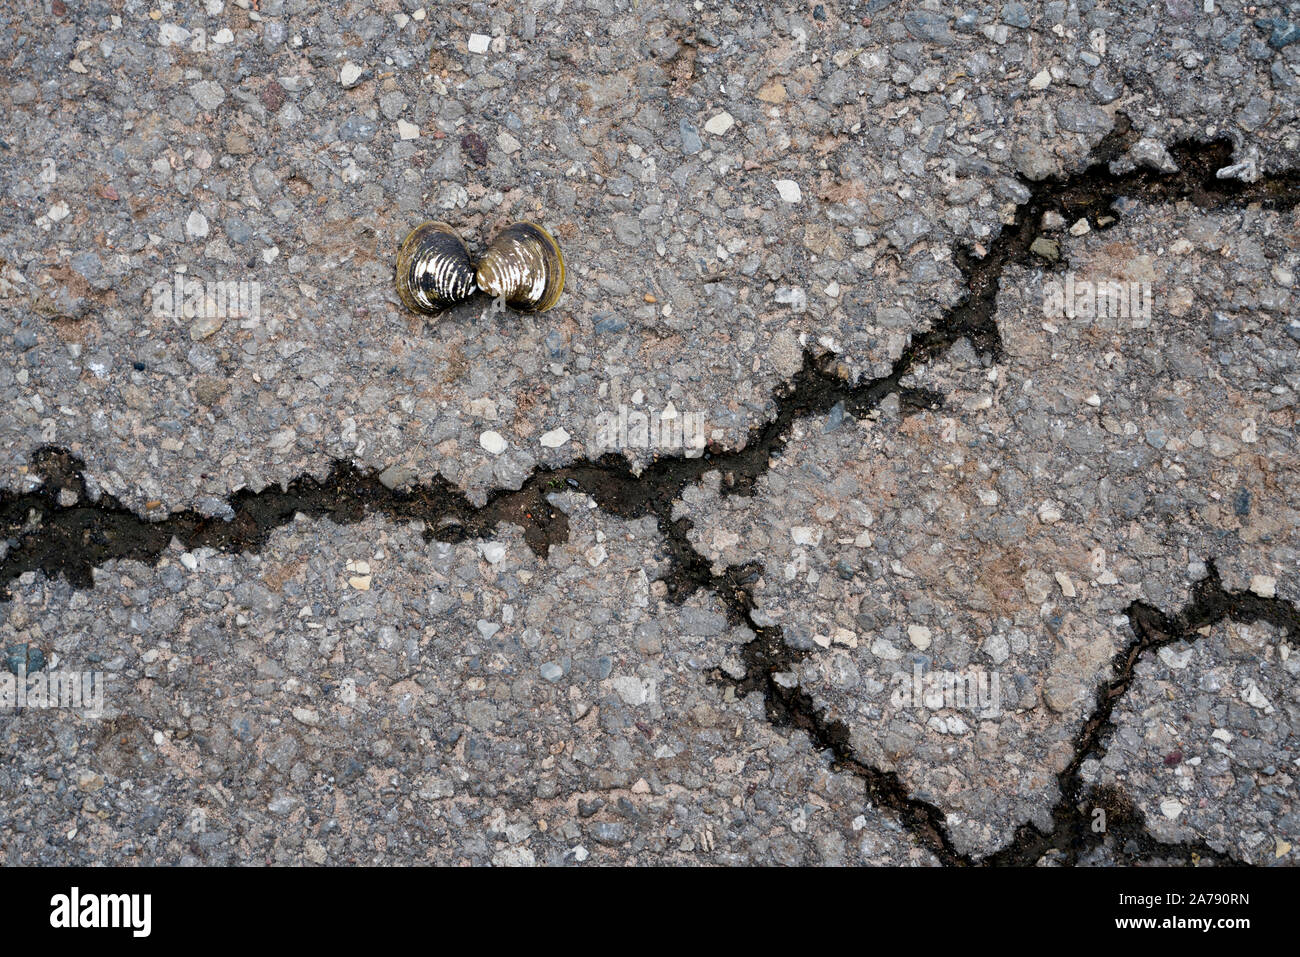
[434, 269]
[524, 266]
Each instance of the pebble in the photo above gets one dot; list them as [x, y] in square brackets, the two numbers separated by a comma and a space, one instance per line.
[720, 124]
[1061, 693]
[24, 656]
[691, 142]
[552, 671]
[833, 421]
[1015, 15]
[170, 34]
[479, 43]
[407, 131]
[554, 438]
[282, 805]
[789, 190]
[204, 325]
[492, 552]
[273, 34]
[792, 296]
[1037, 585]
[207, 94]
[350, 75]
[609, 832]
[358, 129]
[806, 535]
[238, 230]
[1265, 586]
[1048, 249]
[1284, 32]
[493, 442]
[475, 148]
[919, 636]
[196, 226]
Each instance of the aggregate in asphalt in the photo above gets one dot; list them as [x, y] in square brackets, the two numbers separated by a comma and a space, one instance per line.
[908, 473]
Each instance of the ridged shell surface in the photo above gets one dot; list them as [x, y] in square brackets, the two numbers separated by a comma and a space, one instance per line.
[523, 265]
[434, 269]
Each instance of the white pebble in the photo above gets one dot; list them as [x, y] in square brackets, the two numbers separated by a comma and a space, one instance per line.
[1265, 586]
[479, 43]
[196, 227]
[720, 124]
[919, 636]
[493, 442]
[349, 75]
[806, 535]
[789, 190]
[555, 438]
[1254, 697]
[169, 34]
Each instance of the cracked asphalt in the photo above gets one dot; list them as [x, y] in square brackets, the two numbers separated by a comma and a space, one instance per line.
[909, 475]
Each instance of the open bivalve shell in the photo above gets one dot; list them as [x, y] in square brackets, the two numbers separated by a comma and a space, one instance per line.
[524, 267]
[434, 269]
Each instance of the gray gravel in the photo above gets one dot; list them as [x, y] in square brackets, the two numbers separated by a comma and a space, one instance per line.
[731, 186]
[353, 695]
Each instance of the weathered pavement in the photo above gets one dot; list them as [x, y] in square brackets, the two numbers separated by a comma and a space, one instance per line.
[371, 589]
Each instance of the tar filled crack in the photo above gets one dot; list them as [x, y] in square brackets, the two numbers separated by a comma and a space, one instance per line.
[73, 539]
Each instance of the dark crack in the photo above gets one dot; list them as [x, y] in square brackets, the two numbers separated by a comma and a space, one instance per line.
[73, 539]
[1071, 831]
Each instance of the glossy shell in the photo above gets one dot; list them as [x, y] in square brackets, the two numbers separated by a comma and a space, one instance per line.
[434, 269]
[523, 266]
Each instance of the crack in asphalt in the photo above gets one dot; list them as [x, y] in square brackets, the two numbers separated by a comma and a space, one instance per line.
[58, 530]
[1152, 629]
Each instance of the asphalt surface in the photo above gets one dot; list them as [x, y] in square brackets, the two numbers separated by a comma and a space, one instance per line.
[909, 474]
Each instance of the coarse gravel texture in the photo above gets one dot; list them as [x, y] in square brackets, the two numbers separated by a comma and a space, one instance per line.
[728, 670]
[355, 695]
[1206, 743]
